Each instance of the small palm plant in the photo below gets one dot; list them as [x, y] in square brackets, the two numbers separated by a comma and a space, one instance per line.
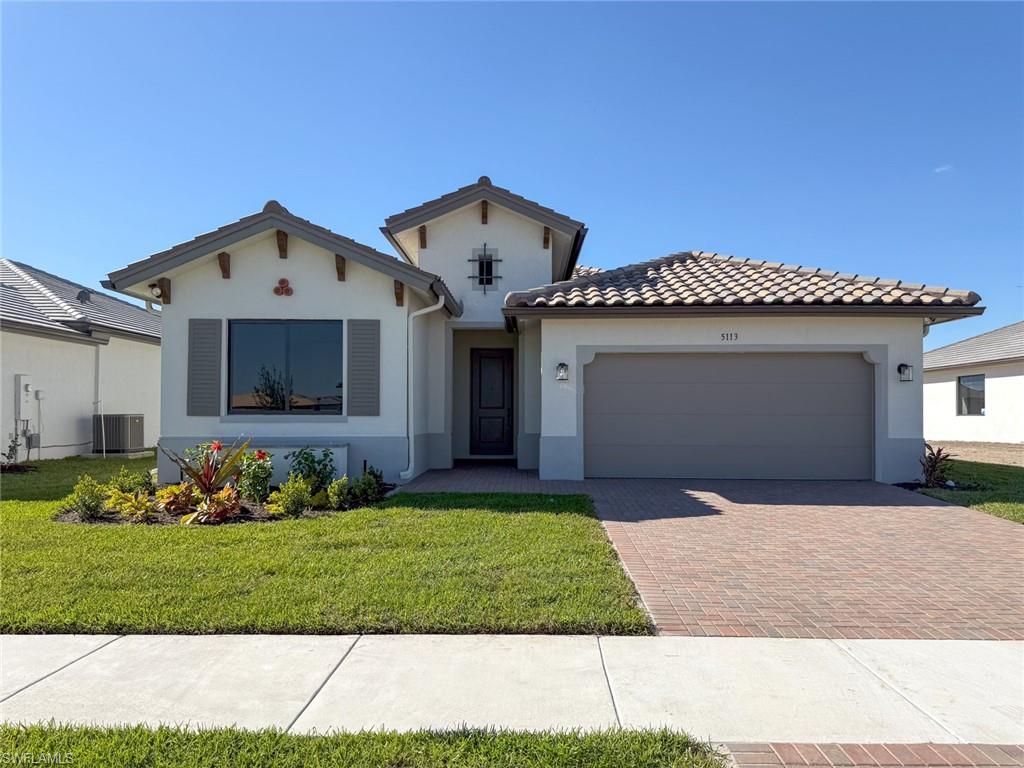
[210, 473]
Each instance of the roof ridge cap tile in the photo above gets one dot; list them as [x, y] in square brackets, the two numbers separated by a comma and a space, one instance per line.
[34, 282]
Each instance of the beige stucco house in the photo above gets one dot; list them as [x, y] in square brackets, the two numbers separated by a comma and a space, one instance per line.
[974, 388]
[485, 339]
[67, 353]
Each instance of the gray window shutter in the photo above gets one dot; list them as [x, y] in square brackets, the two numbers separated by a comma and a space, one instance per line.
[204, 365]
[363, 383]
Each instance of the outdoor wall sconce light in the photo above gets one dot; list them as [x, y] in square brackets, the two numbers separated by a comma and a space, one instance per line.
[562, 372]
[155, 290]
[905, 372]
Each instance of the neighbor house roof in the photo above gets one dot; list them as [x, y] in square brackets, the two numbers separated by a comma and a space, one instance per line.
[276, 216]
[31, 299]
[484, 189]
[1002, 344]
[582, 270]
[698, 281]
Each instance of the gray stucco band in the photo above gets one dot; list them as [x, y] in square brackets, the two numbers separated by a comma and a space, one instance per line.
[560, 458]
[388, 454]
[528, 451]
[437, 450]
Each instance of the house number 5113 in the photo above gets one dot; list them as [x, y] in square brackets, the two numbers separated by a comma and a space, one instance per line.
[730, 336]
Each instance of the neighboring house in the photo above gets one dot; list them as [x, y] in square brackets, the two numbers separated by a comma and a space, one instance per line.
[487, 340]
[67, 352]
[974, 389]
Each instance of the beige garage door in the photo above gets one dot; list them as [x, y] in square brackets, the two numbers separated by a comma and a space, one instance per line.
[796, 416]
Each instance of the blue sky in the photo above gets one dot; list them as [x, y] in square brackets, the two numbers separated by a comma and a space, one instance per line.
[883, 139]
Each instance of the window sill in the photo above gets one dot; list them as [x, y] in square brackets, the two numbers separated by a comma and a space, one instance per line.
[282, 418]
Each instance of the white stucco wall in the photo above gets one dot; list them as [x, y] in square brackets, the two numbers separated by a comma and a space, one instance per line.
[1003, 421]
[886, 342]
[451, 239]
[66, 372]
[199, 291]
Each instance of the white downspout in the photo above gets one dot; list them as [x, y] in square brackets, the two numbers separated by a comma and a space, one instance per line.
[410, 401]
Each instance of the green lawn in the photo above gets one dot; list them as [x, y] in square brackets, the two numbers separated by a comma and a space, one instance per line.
[228, 748]
[449, 563]
[1000, 489]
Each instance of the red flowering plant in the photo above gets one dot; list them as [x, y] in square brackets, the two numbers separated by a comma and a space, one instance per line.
[210, 469]
[256, 469]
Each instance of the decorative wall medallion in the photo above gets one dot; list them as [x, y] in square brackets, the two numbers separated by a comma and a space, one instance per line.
[282, 288]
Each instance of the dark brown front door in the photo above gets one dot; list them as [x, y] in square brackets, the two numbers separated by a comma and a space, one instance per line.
[490, 402]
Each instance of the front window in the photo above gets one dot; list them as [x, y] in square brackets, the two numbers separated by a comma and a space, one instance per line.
[970, 395]
[285, 366]
[485, 268]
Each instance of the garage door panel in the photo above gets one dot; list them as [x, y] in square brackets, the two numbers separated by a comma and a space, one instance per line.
[710, 429]
[801, 416]
[732, 462]
[724, 397]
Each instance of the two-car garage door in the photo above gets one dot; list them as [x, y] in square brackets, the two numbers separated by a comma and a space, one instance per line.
[757, 415]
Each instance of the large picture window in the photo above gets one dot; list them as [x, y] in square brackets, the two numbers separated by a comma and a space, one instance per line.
[285, 366]
[970, 395]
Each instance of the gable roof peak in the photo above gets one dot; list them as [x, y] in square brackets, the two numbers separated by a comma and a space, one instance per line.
[272, 206]
[484, 181]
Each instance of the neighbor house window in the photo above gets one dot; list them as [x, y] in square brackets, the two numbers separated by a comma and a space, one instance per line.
[285, 366]
[970, 395]
[485, 268]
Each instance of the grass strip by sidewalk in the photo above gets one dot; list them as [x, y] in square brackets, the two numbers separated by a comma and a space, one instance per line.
[997, 489]
[445, 563]
[230, 748]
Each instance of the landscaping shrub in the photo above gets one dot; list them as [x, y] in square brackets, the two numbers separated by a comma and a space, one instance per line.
[256, 469]
[178, 499]
[936, 463]
[339, 493]
[216, 508]
[215, 467]
[134, 507]
[127, 481]
[86, 500]
[292, 498]
[369, 487]
[318, 470]
[320, 500]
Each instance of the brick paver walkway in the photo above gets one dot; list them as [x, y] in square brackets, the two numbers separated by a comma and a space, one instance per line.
[874, 755]
[797, 559]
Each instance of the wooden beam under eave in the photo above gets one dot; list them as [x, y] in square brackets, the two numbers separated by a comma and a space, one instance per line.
[224, 259]
[282, 244]
[423, 235]
[339, 266]
[164, 284]
[483, 211]
[399, 293]
[547, 237]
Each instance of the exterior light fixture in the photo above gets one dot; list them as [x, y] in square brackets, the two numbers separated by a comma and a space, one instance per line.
[562, 372]
[905, 372]
[154, 288]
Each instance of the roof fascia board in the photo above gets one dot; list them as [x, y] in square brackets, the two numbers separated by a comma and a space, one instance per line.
[719, 310]
[974, 363]
[403, 221]
[76, 337]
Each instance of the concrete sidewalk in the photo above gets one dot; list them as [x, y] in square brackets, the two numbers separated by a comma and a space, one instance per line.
[722, 689]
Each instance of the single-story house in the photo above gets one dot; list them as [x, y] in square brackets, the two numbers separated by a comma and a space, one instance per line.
[69, 352]
[485, 339]
[974, 389]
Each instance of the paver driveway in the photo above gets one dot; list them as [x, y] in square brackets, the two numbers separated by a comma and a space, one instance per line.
[797, 558]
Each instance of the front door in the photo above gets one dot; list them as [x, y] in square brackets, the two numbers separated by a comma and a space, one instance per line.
[490, 402]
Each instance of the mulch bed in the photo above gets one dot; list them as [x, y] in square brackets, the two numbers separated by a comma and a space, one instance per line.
[249, 513]
[15, 469]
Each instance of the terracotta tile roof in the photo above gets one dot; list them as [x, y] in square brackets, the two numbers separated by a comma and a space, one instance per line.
[701, 279]
[582, 270]
[1006, 343]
